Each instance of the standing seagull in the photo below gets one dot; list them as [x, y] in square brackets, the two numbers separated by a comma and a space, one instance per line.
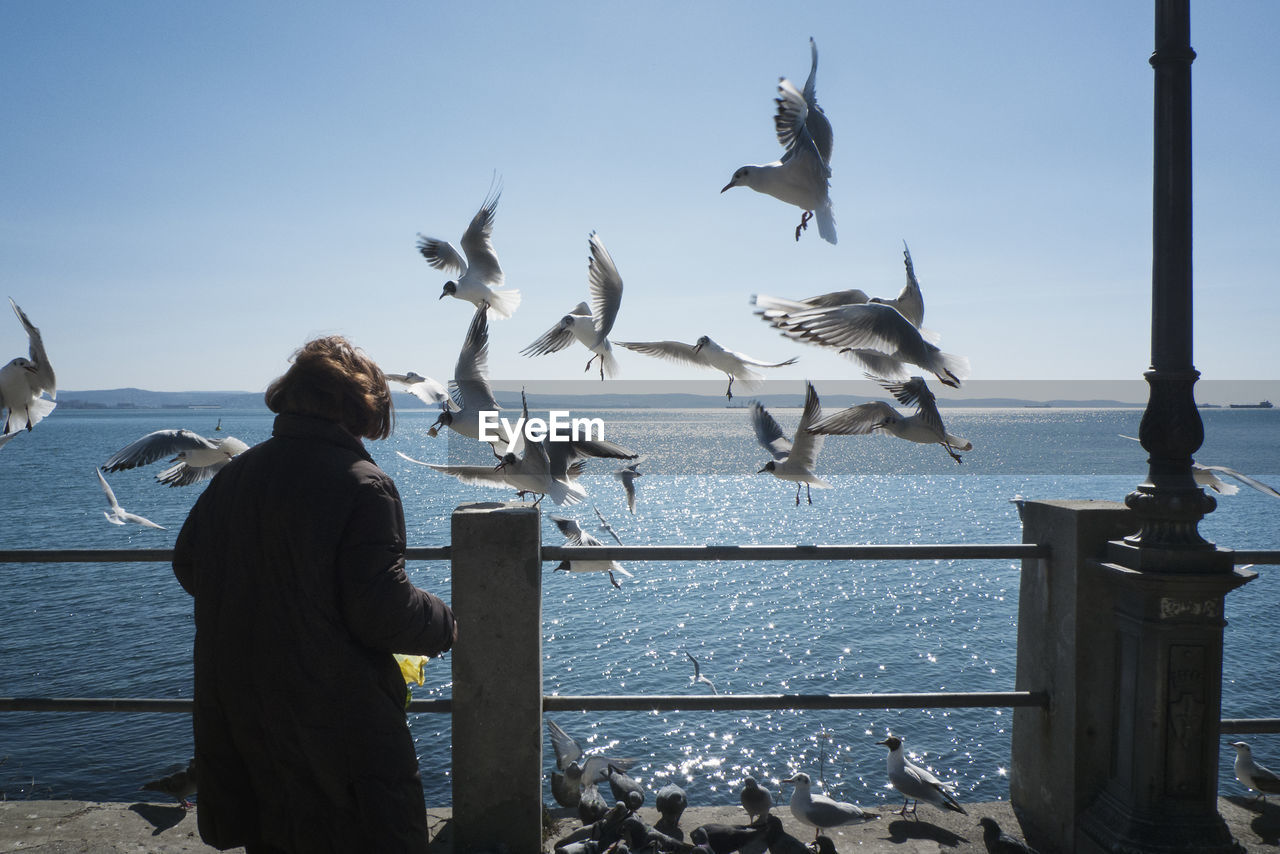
[802, 176]
[915, 783]
[117, 515]
[471, 391]
[181, 784]
[924, 427]
[792, 460]
[575, 536]
[590, 325]
[479, 275]
[708, 354]
[24, 380]
[197, 458]
[1251, 774]
[821, 812]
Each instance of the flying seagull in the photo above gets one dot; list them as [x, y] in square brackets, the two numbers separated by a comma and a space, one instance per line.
[429, 391]
[24, 380]
[628, 474]
[801, 177]
[575, 536]
[116, 514]
[479, 274]
[697, 674]
[592, 324]
[924, 426]
[471, 391]
[792, 460]
[708, 354]
[197, 458]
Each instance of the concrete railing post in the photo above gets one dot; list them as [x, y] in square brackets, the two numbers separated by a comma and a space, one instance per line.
[497, 678]
[1059, 759]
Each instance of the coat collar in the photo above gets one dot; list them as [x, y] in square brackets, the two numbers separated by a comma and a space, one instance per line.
[318, 429]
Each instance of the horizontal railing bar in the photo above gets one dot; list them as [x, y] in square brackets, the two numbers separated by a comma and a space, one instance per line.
[951, 551]
[1241, 726]
[1266, 558]
[912, 551]
[603, 703]
[740, 702]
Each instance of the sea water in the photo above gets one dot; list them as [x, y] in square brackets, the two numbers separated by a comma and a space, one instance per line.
[125, 630]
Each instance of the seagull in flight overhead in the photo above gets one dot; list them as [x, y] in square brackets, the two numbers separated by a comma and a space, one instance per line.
[802, 176]
[792, 460]
[697, 674]
[925, 426]
[605, 526]
[23, 381]
[575, 536]
[479, 274]
[628, 474]
[708, 354]
[530, 473]
[1208, 476]
[429, 391]
[592, 324]
[874, 333]
[116, 514]
[471, 391]
[197, 458]
[915, 783]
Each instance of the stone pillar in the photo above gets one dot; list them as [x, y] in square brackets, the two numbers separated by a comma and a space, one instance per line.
[1059, 760]
[497, 677]
[1161, 791]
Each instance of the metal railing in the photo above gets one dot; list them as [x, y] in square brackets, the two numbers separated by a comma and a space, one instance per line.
[651, 702]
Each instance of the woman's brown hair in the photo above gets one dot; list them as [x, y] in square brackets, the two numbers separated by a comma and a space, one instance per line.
[332, 379]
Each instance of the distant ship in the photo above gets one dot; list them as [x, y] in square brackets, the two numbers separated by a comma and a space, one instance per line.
[1264, 404]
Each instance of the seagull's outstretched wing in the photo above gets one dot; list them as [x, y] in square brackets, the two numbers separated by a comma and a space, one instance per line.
[154, 446]
[605, 285]
[769, 433]
[43, 379]
[805, 447]
[477, 242]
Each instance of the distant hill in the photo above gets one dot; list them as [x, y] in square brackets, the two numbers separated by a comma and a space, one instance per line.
[137, 398]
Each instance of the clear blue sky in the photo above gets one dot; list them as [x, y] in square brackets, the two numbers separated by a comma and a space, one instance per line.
[189, 191]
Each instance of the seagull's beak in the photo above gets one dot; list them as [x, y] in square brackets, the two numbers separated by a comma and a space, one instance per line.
[763, 470]
[698, 346]
[885, 742]
[443, 295]
[728, 186]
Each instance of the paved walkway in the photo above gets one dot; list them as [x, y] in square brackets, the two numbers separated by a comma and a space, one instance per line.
[79, 827]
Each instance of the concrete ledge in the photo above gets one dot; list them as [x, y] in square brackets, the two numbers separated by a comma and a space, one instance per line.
[82, 827]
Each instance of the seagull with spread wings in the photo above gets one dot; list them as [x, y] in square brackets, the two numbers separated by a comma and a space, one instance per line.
[479, 274]
[708, 354]
[924, 426]
[792, 461]
[24, 381]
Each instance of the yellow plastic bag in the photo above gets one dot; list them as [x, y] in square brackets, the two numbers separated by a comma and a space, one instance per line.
[412, 667]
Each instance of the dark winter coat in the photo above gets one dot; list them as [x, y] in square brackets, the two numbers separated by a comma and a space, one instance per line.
[295, 557]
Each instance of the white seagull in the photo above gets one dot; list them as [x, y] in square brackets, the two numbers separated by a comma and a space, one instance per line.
[528, 474]
[605, 526]
[628, 474]
[197, 458]
[23, 381]
[575, 536]
[915, 783]
[429, 391]
[792, 460]
[472, 393]
[802, 176]
[479, 275]
[1254, 776]
[924, 427]
[708, 354]
[592, 324]
[877, 335]
[910, 301]
[697, 675]
[821, 812]
[116, 514]
[1208, 476]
